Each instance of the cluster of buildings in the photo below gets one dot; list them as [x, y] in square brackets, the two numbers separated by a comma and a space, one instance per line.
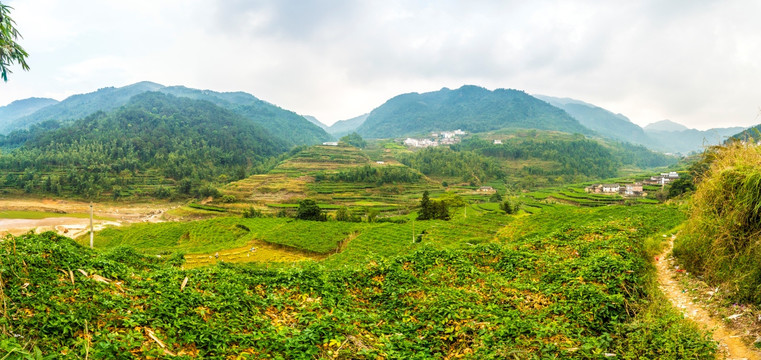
[436, 139]
[634, 189]
[626, 189]
[662, 179]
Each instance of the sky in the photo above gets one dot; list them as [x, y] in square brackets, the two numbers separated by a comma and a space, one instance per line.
[695, 62]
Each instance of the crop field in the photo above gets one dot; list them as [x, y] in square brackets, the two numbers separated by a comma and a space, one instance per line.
[568, 282]
[219, 234]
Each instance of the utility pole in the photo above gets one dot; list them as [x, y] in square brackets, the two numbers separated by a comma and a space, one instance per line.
[91, 232]
[413, 231]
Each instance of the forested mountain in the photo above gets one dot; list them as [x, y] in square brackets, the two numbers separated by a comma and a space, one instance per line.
[186, 141]
[345, 127]
[78, 106]
[21, 108]
[278, 121]
[470, 108]
[284, 124]
[604, 122]
[294, 129]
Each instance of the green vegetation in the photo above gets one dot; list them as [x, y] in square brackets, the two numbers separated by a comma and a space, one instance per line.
[567, 283]
[12, 51]
[156, 140]
[353, 139]
[432, 210]
[309, 210]
[720, 239]
[470, 108]
[211, 235]
[374, 174]
[444, 162]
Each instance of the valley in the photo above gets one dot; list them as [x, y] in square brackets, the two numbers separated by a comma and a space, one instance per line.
[219, 235]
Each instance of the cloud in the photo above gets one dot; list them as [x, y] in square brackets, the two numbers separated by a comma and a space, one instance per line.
[694, 62]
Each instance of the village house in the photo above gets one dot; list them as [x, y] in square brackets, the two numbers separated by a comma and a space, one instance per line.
[610, 188]
[633, 189]
[487, 189]
[330, 143]
[497, 142]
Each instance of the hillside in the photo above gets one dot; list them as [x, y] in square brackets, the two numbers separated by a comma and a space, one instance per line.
[470, 108]
[344, 127]
[21, 108]
[279, 122]
[78, 106]
[720, 239]
[314, 120]
[604, 122]
[176, 142]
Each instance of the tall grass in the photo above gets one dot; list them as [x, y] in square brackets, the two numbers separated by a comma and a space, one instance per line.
[722, 238]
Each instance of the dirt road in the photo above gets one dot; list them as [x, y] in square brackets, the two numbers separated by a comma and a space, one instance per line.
[729, 342]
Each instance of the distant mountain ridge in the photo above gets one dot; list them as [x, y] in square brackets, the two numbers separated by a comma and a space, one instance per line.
[602, 121]
[344, 127]
[277, 121]
[470, 108]
[665, 125]
[665, 135]
[21, 108]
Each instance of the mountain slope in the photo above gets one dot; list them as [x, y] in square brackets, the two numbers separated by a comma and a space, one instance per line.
[21, 108]
[78, 106]
[178, 138]
[469, 108]
[606, 123]
[344, 127]
[314, 120]
[294, 129]
[277, 121]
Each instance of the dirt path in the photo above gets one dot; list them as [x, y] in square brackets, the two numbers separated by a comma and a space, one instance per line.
[729, 342]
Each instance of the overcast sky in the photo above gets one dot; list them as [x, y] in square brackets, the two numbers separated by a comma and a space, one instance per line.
[691, 61]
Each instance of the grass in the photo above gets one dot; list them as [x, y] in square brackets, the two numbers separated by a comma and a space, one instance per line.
[720, 240]
[19, 214]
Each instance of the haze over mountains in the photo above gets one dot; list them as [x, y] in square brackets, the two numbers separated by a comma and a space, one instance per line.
[470, 108]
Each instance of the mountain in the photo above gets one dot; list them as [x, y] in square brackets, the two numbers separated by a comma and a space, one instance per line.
[687, 141]
[344, 127]
[78, 106]
[279, 122]
[21, 108]
[181, 139]
[604, 122]
[276, 120]
[314, 120]
[751, 133]
[665, 125]
[470, 108]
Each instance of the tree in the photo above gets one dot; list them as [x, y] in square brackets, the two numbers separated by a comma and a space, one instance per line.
[309, 210]
[10, 51]
[426, 208]
[353, 139]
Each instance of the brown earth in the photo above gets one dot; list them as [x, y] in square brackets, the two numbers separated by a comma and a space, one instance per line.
[106, 214]
[730, 343]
